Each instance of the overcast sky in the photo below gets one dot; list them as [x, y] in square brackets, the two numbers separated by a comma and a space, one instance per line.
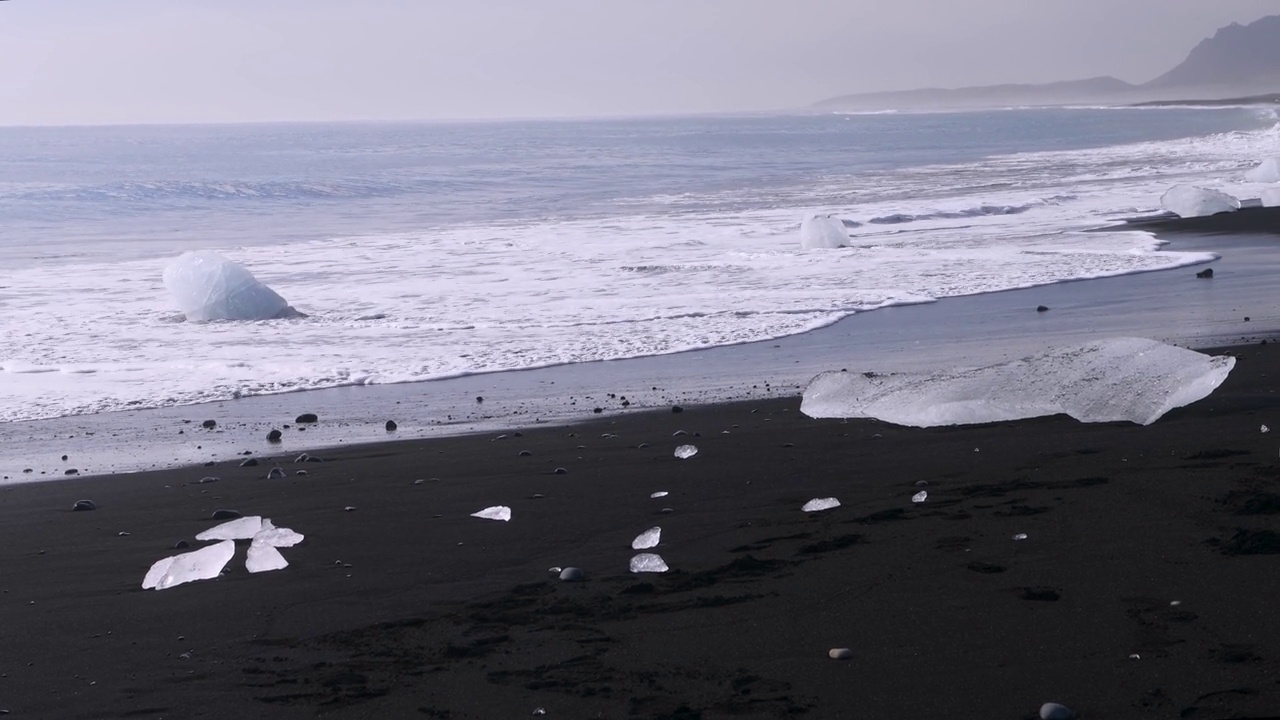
[111, 61]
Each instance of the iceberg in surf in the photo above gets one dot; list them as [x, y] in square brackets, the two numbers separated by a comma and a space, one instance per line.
[1267, 172]
[1131, 379]
[823, 231]
[1190, 201]
[1271, 197]
[207, 286]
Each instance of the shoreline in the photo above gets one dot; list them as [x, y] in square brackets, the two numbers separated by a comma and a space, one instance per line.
[1168, 305]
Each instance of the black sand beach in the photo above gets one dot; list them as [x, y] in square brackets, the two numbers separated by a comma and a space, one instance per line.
[1146, 585]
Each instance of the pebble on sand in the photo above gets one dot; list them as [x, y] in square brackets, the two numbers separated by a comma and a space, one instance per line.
[840, 654]
[307, 418]
[209, 424]
[84, 506]
[274, 436]
[226, 514]
[391, 426]
[1054, 711]
[275, 473]
[251, 462]
[572, 574]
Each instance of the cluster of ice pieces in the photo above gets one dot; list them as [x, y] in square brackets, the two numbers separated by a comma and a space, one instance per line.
[1132, 379]
[1267, 172]
[207, 286]
[823, 231]
[1190, 201]
[208, 562]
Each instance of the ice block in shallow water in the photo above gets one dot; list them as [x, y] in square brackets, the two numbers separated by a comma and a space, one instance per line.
[1190, 201]
[207, 286]
[823, 231]
[1131, 379]
[1267, 172]
[201, 564]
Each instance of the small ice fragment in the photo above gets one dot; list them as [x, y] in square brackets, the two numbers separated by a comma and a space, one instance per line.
[684, 452]
[819, 504]
[648, 562]
[497, 512]
[239, 529]
[1175, 603]
[660, 493]
[263, 557]
[920, 496]
[1135, 656]
[1054, 711]
[202, 564]
[1020, 536]
[1266, 429]
[277, 537]
[647, 539]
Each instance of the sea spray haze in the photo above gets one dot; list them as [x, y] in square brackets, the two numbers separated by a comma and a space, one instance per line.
[421, 251]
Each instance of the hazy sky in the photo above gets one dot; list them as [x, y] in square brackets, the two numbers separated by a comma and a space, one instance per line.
[109, 61]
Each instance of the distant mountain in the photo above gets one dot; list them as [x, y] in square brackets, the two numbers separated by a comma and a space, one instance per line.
[1239, 60]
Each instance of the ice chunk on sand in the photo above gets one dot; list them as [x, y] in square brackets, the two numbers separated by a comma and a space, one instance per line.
[1130, 379]
[823, 231]
[277, 537]
[1189, 201]
[648, 562]
[684, 452]
[920, 496]
[1271, 197]
[200, 564]
[239, 529]
[647, 539]
[497, 512]
[820, 504]
[263, 557]
[1267, 172]
[207, 286]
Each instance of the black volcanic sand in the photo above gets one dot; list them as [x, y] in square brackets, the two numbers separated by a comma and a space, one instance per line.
[1147, 586]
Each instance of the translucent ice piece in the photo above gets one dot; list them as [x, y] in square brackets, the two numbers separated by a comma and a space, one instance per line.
[201, 564]
[660, 493]
[1130, 379]
[647, 539]
[277, 537]
[263, 557]
[648, 562]
[497, 512]
[239, 529]
[819, 504]
[684, 452]
[1267, 172]
[1189, 201]
[207, 286]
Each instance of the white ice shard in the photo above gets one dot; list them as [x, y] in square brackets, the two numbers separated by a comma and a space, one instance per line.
[264, 557]
[647, 539]
[1132, 379]
[207, 286]
[823, 231]
[1190, 201]
[1271, 197]
[648, 562]
[659, 494]
[1267, 172]
[239, 529]
[497, 512]
[920, 496]
[277, 537]
[684, 452]
[820, 504]
[201, 564]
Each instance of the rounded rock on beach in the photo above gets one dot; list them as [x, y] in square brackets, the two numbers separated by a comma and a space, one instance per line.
[840, 654]
[1056, 711]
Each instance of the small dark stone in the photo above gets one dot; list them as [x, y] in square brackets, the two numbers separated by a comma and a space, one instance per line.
[71, 471]
[274, 436]
[275, 473]
[84, 506]
[572, 574]
[597, 410]
[391, 426]
[64, 458]
[181, 545]
[677, 409]
[307, 418]
[209, 424]
[224, 514]
[1042, 308]
[479, 398]
[1246, 318]
[561, 471]
[1205, 273]
[525, 453]
[249, 462]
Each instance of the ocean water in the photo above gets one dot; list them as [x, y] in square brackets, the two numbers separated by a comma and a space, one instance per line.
[485, 247]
